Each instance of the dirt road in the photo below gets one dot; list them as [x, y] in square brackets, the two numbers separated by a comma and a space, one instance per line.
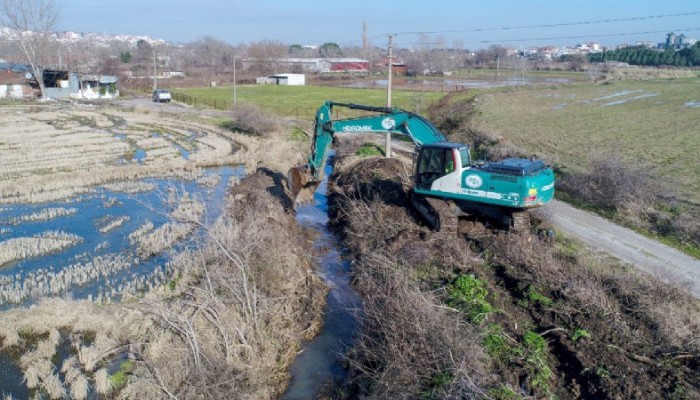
[649, 255]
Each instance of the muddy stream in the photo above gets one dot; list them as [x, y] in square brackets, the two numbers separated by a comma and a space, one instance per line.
[319, 363]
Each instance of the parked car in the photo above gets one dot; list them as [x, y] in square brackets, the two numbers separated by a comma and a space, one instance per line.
[161, 96]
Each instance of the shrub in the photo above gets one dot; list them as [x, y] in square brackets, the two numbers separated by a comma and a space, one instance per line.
[408, 344]
[251, 119]
[611, 184]
[579, 334]
[453, 116]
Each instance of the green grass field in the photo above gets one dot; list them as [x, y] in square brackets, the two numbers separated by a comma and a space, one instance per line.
[653, 124]
[649, 123]
[303, 101]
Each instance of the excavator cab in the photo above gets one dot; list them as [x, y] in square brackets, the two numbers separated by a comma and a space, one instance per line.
[438, 160]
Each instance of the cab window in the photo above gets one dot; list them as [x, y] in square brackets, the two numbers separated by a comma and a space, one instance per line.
[464, 155]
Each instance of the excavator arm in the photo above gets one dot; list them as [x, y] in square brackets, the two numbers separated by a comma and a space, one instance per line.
[304, 180]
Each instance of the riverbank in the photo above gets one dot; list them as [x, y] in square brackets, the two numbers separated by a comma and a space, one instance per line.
[228, 323]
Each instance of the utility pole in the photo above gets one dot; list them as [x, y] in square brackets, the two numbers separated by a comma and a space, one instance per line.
[498, 64]
[365, 41]
[388, 92]
[155, 71]
[235, 99]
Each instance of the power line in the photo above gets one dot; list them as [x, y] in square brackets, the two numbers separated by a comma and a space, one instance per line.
[568, 37]
[600, 21]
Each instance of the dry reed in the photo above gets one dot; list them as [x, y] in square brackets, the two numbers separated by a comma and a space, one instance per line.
[102, 385]
[45, 243]
[43, 215]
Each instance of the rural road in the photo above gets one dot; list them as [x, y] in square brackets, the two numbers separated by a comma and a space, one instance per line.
[630, 247]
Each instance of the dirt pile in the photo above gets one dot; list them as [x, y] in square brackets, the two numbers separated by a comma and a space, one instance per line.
[504, 316]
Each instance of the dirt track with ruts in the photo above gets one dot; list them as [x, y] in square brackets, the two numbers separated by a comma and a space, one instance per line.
[665, 262]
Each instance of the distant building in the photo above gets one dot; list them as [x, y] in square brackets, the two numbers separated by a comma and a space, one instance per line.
[316, 65]
[348, 65]
[678, 42]
[282, 79]
[18, 82]
[17, 85]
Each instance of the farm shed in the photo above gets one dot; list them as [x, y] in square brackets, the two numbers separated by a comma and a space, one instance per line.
[283, 79]
[60, 84]
[17, 85]
[354, 65]
[97, 86]
[17, 81]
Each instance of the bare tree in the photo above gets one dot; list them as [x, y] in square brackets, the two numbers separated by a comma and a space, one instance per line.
[266, 55]
[32, 22]
[434, 55]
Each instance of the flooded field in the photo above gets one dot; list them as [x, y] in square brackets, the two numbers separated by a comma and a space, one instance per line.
[114, 239]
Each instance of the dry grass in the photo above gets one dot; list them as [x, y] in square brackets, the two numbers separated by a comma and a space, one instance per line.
[45, 243]
[46, 282]
[49, 155]
[43, 215]
[233, 306]
[114, 224]
[102, 385]
[410, 339]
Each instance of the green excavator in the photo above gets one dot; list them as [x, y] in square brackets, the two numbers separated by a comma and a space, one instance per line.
[447, 185]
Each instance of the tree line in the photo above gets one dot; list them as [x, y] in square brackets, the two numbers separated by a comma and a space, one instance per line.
[640, 55]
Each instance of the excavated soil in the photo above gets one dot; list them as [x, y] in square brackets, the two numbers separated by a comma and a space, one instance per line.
[611, 332]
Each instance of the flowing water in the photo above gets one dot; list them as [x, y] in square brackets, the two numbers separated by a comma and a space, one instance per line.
[320, 362]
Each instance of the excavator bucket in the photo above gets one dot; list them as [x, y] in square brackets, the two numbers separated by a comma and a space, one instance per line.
[301, 185]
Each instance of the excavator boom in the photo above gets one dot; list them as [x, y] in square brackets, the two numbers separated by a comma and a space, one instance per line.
[304, 180]
[447, 185]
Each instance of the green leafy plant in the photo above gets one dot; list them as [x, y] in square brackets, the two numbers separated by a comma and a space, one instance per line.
[602, 372]
[534, 297]
[536, 359]
[468, 293]
[119, 378]
[579, 334]
[437, 383]
[497, 346]
[369, 150]
[504, 392]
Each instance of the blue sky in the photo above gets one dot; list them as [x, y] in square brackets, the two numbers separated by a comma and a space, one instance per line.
[476, 24]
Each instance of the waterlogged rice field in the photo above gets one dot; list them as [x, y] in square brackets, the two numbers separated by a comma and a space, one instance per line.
[51, 152]
[93, 200]
[650, 124]
[117, 242]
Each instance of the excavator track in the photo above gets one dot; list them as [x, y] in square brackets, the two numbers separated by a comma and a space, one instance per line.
[520, 221]
[446, 216]
[442, 215]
